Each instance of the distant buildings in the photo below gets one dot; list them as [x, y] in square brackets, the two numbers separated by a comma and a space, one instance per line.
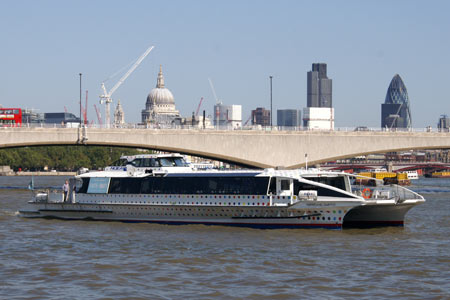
[61, 118]
[444, 123]
[289, 117]
[319, 113]
[31, 116]
[160, 105]
[119, 116]
[319, 87]
[395, 112]
[227, 116]
[261, 116]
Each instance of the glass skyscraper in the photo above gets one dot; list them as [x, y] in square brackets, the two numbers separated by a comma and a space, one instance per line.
[319, 87]
[395, 112]
[289, 117]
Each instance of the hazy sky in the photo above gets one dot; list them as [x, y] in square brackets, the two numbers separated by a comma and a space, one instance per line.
[238, 44]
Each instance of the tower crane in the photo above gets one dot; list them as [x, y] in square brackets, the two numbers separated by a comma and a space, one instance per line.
[106, 97]
[99, 116]
[248, 120]
[214, 91]
[198, 107]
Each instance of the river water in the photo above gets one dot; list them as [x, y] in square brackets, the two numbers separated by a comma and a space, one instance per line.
[55, 259]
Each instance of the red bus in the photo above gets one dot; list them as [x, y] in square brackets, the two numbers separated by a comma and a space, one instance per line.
[10, 117]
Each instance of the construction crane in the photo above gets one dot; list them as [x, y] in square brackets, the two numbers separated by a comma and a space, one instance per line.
[99, 115]
[214, 91]
[106, 97]
[249, 118]
[198, 107]
[84, 110]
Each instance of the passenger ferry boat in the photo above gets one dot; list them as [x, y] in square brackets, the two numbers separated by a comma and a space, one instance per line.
[171, 192]
[412, 175]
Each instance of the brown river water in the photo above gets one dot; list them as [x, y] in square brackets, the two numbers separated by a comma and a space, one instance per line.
[56, 259]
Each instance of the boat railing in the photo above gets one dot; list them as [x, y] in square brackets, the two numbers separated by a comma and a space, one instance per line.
[384, 192]
[48, 196]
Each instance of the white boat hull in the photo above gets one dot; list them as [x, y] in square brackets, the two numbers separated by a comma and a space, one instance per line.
[378, 214]
[302, 216]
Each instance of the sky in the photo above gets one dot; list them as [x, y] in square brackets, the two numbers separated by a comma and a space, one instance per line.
[237, 44]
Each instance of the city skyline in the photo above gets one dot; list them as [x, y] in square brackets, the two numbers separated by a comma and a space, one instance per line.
[47, 43]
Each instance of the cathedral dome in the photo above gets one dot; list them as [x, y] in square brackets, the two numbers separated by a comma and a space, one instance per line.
[160, 95]
[160, 105]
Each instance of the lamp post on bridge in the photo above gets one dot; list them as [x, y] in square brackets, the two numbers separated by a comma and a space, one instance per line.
[271, 102]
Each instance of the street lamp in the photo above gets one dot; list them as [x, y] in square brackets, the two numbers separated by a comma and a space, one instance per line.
[271, 101]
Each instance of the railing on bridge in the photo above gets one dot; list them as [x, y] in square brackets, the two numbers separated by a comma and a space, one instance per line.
[228, 128]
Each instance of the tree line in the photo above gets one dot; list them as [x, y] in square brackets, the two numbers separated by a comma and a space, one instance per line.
[63, 158]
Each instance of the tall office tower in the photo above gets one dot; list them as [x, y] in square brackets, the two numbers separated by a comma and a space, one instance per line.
[289, 117]
[319, 113]
[261, 116]
[395, 112]
[443, 125]
[319, 87]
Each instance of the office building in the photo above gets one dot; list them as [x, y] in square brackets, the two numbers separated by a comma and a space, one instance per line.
[395, 112]
[318, 118]
[261, 116]
[319, 113]
[60, 118]
[319, 87]
[289, 117]
[444, 123]
[227, 116]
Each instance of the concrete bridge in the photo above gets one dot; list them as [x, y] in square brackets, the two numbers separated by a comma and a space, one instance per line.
[256, 148]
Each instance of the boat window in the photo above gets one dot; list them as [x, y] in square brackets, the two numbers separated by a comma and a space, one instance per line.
[120, 163]
[81, 185]
[336, 181]
[166, 162]
[137, 162]
[180, 162]
[321, 191]
[241, 185]
[98, 185]
[285, 185]
[84, 185]
[273, 186]
[125, 186]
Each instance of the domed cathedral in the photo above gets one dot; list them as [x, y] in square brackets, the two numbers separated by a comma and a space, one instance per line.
[160, 105]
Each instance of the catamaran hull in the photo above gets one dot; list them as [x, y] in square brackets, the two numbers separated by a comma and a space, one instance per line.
[377, 215]
[259, 217]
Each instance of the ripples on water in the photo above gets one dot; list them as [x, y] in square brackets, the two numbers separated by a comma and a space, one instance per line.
[53, 259]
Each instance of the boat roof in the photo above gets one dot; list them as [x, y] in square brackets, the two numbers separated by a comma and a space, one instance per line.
[132, 157]
[298, 173]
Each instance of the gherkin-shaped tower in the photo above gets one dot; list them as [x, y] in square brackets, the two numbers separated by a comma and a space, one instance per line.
[395, 112]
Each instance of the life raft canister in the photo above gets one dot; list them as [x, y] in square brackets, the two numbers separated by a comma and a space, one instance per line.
[367, 193]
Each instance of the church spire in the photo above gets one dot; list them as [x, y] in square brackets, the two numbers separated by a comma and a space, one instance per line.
[160, 83]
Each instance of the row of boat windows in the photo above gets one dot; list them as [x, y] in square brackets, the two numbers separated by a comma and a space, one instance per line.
[186, 185]
[153, 162]
[244, 185]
